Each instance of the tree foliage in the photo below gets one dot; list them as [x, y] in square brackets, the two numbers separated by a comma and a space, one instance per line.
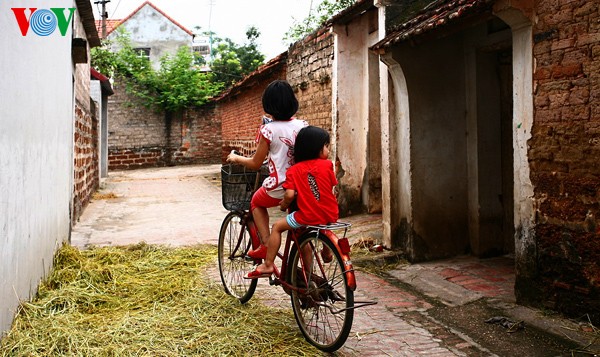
[231, 62]
[325, 10]
[177, 84]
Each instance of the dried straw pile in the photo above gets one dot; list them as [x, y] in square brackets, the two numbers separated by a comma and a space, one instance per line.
[145, 300]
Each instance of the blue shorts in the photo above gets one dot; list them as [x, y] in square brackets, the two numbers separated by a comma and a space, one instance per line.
[292, 221]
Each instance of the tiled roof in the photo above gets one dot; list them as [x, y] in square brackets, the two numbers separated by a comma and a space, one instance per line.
[110, 26]
[118, 22]
[437, 14]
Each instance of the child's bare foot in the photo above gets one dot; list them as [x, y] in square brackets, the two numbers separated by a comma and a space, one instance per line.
[261, 271]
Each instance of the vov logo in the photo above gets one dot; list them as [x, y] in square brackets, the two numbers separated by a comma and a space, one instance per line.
[43, 22]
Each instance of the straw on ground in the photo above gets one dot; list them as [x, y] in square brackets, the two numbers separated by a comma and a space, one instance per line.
[145, 300]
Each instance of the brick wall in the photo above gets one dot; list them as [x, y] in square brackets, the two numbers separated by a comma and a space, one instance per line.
[196, 137]
[241, 111]
[310, 64]
[86, 170]
[565, 154]
[138, 136]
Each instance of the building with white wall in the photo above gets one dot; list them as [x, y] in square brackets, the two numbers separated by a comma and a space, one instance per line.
[36, 139]
[152, 32]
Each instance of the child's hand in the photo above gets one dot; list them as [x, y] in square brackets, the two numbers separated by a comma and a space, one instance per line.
[232, 156]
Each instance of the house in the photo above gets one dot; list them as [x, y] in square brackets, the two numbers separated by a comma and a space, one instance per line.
[142, 137]
[488, 119]
[152, 32]
[44, 162]
[472, 125]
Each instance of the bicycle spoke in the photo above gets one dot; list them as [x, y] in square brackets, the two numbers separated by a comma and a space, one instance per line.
[234, 240]
[324, 309]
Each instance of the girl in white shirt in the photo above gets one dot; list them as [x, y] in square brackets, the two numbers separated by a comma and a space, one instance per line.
[275, 139]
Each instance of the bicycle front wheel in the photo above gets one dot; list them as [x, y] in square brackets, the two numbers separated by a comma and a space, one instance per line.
[324, 311]
[234, 242]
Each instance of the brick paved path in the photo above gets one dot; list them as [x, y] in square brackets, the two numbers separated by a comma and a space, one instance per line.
[397, 326]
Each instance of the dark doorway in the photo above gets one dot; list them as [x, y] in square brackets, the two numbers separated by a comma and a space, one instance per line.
[495, 152]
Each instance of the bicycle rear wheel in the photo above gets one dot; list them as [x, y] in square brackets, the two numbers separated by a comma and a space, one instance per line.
[325, 312]
[234, 242]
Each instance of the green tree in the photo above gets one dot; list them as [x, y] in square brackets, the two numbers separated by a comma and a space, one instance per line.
[231, 62]
[176, 85]
[325, 10]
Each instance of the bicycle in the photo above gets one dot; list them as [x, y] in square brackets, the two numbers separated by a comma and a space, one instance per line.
[321, 289]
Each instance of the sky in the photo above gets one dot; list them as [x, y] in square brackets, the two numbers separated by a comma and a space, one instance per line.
[228, 18]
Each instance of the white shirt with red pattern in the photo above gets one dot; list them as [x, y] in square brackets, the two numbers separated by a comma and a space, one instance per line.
[281, 136]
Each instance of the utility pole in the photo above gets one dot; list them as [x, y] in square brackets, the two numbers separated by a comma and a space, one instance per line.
[104, 15]
[210, 4]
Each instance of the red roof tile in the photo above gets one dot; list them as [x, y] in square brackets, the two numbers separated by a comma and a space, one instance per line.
[110, 26]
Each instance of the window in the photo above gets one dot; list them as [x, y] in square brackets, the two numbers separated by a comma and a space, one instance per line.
[201, 50]
[143, 52]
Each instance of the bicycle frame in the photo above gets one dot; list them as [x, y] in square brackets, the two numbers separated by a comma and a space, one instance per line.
[341, 244]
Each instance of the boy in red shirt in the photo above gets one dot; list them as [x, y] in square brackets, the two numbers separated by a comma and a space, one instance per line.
[310, 181]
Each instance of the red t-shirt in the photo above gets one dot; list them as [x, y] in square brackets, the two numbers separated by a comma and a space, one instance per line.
[313, 180]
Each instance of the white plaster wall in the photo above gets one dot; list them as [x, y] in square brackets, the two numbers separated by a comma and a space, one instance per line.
[35, 154]
[101, 105]
[352, 96]
[149, 28]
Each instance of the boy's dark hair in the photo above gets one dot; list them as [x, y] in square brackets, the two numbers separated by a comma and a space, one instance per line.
[309, 143]
[279, 100]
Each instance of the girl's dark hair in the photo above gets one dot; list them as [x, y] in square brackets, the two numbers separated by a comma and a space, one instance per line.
[279, 100]
[309, 143]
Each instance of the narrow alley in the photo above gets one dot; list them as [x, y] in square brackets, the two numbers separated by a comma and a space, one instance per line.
[435, 309]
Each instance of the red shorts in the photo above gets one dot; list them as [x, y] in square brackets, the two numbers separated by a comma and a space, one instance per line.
[262, 199]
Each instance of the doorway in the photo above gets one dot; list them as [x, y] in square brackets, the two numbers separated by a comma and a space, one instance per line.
[493, 231]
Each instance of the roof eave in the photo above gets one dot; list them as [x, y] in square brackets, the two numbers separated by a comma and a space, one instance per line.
[86, 13]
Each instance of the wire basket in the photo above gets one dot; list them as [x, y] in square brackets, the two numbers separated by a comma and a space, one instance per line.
[238, 185]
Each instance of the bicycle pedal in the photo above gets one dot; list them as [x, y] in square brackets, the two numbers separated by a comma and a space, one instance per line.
[251, 260]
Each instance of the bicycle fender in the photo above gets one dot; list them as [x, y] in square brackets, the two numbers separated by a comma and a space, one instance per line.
[343, 247]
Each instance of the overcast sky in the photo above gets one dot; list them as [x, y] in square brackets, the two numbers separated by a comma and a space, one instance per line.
[229, 18]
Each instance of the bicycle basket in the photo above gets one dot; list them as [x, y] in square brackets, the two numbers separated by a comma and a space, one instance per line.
[237, 186]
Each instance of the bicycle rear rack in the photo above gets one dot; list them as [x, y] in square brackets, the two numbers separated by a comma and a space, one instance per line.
[332, 227]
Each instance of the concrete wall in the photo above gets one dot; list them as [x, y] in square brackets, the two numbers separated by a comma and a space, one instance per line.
[356, 93]
[36, 165]
[101, 101]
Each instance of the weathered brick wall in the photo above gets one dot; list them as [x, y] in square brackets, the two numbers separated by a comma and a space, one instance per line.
[196, 136]
[565, 154]
[86, 170]
[310, 64]
[241, 110]
[138, 136]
